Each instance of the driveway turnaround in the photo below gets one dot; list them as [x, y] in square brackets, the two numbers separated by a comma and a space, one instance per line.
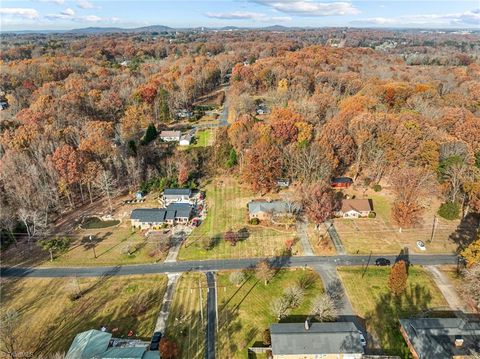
[211, 316]
[212, 265]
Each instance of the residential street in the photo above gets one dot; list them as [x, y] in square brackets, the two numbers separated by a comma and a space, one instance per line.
[211, 316]
[212, 265]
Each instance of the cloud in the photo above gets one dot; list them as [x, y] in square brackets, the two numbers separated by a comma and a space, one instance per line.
[466, 18]
[85, 4]
[93, 18]
[68, 12]
[23, 13]
[310, 8]
[58, 2]
[245, 15]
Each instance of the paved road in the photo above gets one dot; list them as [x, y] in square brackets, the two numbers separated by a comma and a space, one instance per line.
[211, 316]
[446, 287]
[211, 265]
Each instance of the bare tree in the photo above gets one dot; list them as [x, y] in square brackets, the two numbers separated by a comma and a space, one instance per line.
[280, 307]
[264, 271]
[308, 164]
[323, 308]
[34, 222]
[294, 295]
[472, 284]
[106, 183]
[9, 323]
[237, 277]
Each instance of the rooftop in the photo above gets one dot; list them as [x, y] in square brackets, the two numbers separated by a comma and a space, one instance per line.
[341, 180]
[88, 344]
[177, 192]
[320, 338]
[264, 206]
[358, 205]
[435, 337]
[170, 134]
[159, 215]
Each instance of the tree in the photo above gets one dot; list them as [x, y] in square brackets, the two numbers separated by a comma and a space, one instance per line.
[318, 202]
[263, 166]
[237, 277]
[106, 183]
[9, 323]
[472, 284]
[266, 338]
[449, 210]
[34, 222]
[168, 349]
[471, 254]
[397, 281]
[231, 237]
[280, 307]
[55, 245]
[264, 271]
[150, 134]
[323, 308]
[66, 161]
[294, 295]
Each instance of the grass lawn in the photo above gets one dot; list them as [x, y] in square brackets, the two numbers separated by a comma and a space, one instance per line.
[49, 320]
[184, 324]
[372, 301]
[227, 210]
[244, 311]
[320, 241]
[382, 236]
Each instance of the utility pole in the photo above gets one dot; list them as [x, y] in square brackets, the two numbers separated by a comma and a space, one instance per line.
[93, 246]
[433, 228]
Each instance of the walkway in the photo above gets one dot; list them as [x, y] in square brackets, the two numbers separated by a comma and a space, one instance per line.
[167, 301]
[302, 234]
[446, 287]
[211, 316]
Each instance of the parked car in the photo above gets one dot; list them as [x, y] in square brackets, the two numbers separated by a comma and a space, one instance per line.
[382, 262]
[421, 246]
[362, 340]
[155, 343]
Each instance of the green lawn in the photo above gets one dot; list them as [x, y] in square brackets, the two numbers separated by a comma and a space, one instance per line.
[372, 301]
[244, 311]
[227, 210]
[184, 323]
[49, 320]
[203, 138]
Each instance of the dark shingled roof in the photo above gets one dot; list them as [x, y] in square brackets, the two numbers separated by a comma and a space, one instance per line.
[342, 180]
[321, 338]
[159, 215]
[435, 337]
[177, 192]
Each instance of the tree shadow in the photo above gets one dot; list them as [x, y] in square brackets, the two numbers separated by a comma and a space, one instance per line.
[466, 231]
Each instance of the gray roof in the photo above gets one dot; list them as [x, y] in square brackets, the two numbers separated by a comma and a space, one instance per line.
[177, 192]
[89, 344]
[124, 353]
[159, 215]
[435, 337]
[264, 206]
[321, 338]
[170, 134]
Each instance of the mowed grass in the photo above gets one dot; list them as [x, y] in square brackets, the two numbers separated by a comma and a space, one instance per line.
[244, 311]
[381, 310]
[184, 324]
[227, 210]
[49, 320]
[381, 236]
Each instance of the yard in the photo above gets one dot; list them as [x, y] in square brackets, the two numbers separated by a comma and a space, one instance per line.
[203, 138]
[227, 210]
[49, 320]
[381, 236]
[373, 301]
[244, 311]
[184, 323]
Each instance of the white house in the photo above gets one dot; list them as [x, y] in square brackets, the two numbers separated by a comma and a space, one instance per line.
[176, 195]
[186, 140]
[170, 136]
[355, 208]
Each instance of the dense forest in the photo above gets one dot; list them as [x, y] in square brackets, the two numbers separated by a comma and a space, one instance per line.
[369, 104]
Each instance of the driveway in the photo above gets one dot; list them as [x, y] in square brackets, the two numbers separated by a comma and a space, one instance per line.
[211, 316]
[302, 234]
[166, 302]
[446, 287]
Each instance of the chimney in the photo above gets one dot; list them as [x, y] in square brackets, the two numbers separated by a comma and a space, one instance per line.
[458, 341]
[307, 324]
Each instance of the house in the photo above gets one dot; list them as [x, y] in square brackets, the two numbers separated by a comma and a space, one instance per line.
[355, 208]
[264, 210]
[95, 344]
[341, 182]
[181, 195]
[186, 139]
[441, 338]
[3, 105]
[338, 340]
[170, 136]
[283, 183]
[153, 218]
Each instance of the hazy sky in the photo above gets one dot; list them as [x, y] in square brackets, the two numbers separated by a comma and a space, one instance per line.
[68, 14]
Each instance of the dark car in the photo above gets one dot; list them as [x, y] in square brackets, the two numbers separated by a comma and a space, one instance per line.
[155, 341]
[382, 262]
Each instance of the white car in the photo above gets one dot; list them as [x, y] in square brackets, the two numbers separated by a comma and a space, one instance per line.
[421, 246]
[362, 339]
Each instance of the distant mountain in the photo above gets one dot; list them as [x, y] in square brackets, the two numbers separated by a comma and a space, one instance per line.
[103, 30]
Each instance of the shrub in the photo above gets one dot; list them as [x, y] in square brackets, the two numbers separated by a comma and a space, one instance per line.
[377, 188]
[449, 210]
[255, 221]
[208, 243]
[237, 277]
[372, 215]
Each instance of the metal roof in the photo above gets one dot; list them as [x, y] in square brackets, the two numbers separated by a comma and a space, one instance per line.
[177, 192]
[152, 215]
[264, 206]
[124, 353]
[89, 344]
[435, 337]
[182, 210]
[170, 134]
[320, 338]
